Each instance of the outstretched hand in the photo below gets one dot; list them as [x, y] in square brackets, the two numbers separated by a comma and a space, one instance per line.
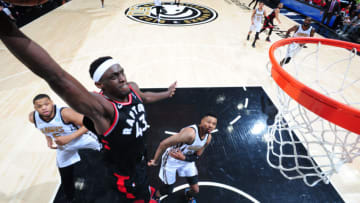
[152, 163]
[172, 89]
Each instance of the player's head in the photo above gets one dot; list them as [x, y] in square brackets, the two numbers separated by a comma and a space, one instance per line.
[208, 122]
[261, 4]
[44, 105]
[307, 21]
[109, 76]
[280, 5]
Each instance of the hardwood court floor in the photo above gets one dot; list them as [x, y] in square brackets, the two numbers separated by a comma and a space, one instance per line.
[215, 54]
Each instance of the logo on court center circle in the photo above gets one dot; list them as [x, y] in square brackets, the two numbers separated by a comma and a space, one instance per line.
[171, 14]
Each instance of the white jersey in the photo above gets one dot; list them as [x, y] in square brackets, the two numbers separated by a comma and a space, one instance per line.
[294, 48]
[56, 127]
[66, 154]
[258, 17]
[302, 33]
[170, 166]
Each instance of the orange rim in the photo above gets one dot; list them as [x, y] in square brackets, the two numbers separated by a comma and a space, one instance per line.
[336, 112]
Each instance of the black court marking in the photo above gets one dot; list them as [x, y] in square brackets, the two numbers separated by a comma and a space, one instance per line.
[172, 14]
[236, 156]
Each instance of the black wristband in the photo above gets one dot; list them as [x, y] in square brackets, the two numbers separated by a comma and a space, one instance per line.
[191, 158]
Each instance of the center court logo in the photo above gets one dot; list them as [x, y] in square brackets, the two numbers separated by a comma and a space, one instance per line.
[171, 14]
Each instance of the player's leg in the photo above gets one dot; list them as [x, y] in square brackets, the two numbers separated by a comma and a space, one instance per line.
[102, 3]
[142, 187]
[66, 160]
[285, 60]
[163, 189]
[252, 28]
[158, 9]
[67, 181]
[191, 173]
[291, 51]
[263, 29]
[268, 37]
[248, 36]
[257, 28]
[256, 38]
[192, 193]
[167, 175]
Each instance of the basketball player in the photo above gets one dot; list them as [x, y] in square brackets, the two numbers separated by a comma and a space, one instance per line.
[177, 2]
[158, 8]
[63, 125]
[181, 152]
[256, 21]
[269, 21]
[304, 30]
[116, 114]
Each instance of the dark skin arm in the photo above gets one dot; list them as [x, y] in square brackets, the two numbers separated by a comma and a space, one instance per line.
[186, 135]
[312, 33]
[179, 155]
[150, 97]
[71, 116]
[68, 88]
[292, 29]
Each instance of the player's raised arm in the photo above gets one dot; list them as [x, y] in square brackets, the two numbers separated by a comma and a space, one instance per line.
[292, 29]
[41, 63]
[150, 97]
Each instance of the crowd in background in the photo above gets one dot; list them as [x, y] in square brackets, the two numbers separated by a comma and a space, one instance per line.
[347, 12]
[24, 14]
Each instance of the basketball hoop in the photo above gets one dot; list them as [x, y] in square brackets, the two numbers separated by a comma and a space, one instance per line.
[313, 133]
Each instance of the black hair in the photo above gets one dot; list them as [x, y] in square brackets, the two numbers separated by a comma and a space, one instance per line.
[95, 64]
[209, 114]
[308, 17]
[40, 96]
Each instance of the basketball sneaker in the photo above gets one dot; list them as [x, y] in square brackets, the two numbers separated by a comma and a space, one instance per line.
[189, 199]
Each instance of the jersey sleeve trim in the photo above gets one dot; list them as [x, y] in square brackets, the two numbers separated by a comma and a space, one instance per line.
[34, 119]
[61, 109]
[135, 93]
[116, 119]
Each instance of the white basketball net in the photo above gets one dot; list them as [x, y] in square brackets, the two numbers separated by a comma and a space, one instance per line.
[300, 143]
